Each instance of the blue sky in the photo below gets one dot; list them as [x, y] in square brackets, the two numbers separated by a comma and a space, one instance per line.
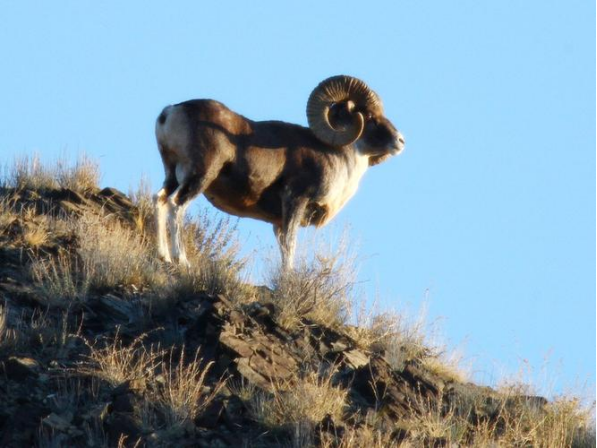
[489, 214]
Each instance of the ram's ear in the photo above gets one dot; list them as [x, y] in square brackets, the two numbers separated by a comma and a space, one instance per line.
[376, 160]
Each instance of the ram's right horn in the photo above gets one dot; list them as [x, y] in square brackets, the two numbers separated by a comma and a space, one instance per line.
[354, 96]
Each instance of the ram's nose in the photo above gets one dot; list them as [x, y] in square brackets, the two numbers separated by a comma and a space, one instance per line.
[400, 142]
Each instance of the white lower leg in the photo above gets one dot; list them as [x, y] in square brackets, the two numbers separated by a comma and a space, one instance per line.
[182, 252]
[176, 217]
[287, 248]
[290, 249]
[161, 212]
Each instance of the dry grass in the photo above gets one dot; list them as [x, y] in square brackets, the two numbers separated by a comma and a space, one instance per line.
[183, 393]
[362, 436]
[58, 279]
[402, 338]
[71, 398]
[319, 288]
[40, 333]
[116, 363]
[8, 336]
[213, 253]
[175, 391]
[141, 197]
[112, 255]
[30, 173]
[304, 399]
[35, 228]
[520, 420]
[561, 422]
[35, 235]
[83, 175]
[108, 255]
[8, 214]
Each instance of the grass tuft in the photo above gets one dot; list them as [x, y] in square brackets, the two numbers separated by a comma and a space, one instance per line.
[116, 362]
[307, 398]
[113, 255]
[213, 253]
[83, 175]
[318, 289]
[30, 173]
[141, 197]
[58, 280]
[183, 393]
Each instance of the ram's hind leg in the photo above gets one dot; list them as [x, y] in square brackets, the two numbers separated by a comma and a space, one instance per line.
[190, 187]
[162, 208]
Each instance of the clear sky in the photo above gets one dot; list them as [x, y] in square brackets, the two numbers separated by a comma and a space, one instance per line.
[488, 215]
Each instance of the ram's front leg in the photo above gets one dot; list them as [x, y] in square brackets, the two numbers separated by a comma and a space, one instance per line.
[293, 211]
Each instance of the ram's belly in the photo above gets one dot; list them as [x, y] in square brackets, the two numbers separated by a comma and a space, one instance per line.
[241, 202]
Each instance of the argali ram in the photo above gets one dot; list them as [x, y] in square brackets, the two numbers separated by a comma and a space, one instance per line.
[277, 172]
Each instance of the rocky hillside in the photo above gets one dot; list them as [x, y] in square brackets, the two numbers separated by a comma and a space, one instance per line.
[103, 345]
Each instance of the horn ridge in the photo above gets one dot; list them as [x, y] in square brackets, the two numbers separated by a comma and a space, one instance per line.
[337, 89]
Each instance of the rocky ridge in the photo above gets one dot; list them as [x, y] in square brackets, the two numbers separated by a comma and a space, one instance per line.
[48, 394]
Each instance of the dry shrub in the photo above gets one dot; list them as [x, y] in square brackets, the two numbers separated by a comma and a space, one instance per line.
[116, 363]
[403, 337]
[319, 288]
[8, 214]
[518, 419]
[175, 391]
[3, 324]
[560, 422]
[182, 393]
[58, 279]
[8, 336]
[437, 424]
[30, 173]
[304, 399]
[213, 253]
[112, 255]
[141, 197]
[108, 255]
[41, 332]
[35, 228]
[72, 397]
[35, 235]
[362, 436]
[84, 175]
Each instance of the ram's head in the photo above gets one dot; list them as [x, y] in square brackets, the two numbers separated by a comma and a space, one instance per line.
[343, 111]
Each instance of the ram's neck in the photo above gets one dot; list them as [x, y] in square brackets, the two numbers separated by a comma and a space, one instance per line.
[341, 184]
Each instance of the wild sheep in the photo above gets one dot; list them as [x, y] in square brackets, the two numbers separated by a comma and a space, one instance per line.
[281, 173]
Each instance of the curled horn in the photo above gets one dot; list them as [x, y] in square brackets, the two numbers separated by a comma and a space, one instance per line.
[357, 97]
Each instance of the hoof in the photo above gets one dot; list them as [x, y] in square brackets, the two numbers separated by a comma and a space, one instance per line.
[183, 262]
[165, 259]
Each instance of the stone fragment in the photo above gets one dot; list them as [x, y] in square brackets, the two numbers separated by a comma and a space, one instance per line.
[356, 358]
[251, 375]
[242, 348]
[58, 422]
[115, 308]
[19, 368]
